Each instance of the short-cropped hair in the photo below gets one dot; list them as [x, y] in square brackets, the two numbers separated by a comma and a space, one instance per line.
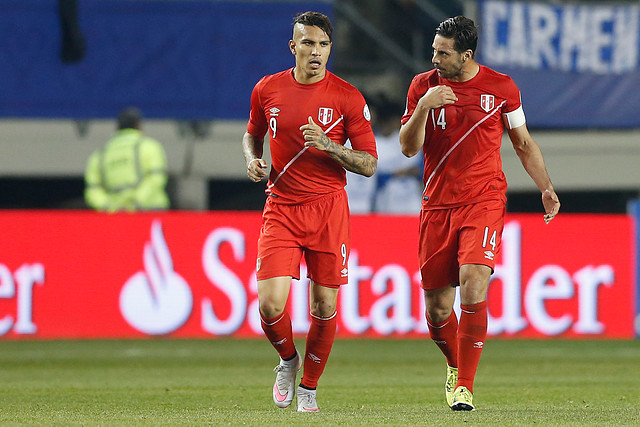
[314, 19]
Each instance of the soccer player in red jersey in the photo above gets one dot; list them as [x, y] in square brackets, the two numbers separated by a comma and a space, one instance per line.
[456, 115]
[309, 113]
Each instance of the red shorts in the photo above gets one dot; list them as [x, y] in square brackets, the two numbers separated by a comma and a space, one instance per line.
[319, 229]
[449, 238]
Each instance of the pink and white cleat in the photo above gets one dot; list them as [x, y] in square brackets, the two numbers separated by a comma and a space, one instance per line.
[307, 400]
[284, 387]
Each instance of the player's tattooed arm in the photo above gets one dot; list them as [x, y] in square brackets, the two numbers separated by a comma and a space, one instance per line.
[359, 162]
[355, 161]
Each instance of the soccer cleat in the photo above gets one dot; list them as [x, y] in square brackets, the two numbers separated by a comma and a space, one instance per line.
[450, 384]
[462, 400]
[284, 387]
[307, 400]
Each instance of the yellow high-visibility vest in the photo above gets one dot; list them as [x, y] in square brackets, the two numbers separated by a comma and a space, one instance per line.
[128, 174]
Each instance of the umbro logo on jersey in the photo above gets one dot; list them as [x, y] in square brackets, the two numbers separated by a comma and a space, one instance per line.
[274, 111]
[489, 255]
[487, 102]
[478, 344]
[325, 115]
[344, 272]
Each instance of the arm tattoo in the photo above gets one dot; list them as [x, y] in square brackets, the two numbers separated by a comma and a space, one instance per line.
[355, 161]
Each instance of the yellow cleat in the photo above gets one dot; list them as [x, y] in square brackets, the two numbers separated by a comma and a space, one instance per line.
[450, 384]
[462, 400]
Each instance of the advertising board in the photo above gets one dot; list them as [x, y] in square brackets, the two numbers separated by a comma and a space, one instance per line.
[89, 275]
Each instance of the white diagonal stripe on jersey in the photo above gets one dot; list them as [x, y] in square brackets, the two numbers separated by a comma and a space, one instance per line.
[298, 155]
[458, 143]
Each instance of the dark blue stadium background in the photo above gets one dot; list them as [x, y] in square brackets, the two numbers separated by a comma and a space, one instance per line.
[173, 59]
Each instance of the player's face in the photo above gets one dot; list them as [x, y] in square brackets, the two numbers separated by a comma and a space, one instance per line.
[311, 47]
[446, 59]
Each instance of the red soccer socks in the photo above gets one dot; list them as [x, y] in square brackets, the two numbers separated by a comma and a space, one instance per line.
[278, 331]
[472, 333]
[445, 335]
[319, 342]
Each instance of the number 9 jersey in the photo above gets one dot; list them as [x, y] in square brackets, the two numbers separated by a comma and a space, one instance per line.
[280, 105]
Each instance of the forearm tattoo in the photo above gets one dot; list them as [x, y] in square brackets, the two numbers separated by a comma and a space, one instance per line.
[359, 162]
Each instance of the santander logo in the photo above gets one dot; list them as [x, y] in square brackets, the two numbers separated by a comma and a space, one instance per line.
[157, 300]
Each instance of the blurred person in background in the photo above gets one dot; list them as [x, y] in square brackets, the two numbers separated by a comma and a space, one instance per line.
[309, 113]
[361, 189]
[456, 115]
[130, 172]
[399, 178]
[396, 188]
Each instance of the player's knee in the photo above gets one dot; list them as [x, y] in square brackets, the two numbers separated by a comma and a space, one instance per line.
[322, 308]
[474, 283]
[271, 308]
[438, 314]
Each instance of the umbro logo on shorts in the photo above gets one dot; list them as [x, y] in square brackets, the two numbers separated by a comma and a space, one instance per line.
[489, 255]
[344, 272]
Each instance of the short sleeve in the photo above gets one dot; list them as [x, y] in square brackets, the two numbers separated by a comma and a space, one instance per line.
[257, 125]
[512, 112]
[513, 97]
[358, 124]
[412, 100]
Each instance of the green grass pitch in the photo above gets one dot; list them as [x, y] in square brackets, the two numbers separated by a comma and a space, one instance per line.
[367, 382]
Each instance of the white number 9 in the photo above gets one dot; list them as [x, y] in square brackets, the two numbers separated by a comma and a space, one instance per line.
[273, 124]
[343, 252]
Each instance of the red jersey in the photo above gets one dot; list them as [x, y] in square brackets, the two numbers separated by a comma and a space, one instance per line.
[280, 105]
[462, 163]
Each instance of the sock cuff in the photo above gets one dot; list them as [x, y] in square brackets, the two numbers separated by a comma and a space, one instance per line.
[273, 321]
[313, 316]
[442, 324]
[474, 308]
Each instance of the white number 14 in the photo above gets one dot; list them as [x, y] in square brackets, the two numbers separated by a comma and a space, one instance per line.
[492, 241]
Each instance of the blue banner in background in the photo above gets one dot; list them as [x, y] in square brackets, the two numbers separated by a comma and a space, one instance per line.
[173, 59]
[577, 64]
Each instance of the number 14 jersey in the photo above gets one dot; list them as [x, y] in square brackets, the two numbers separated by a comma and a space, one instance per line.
[462, 141]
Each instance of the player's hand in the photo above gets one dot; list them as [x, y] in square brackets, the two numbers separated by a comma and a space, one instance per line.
[256, 169]
[551, 205]
[314, 136]
[438, 96]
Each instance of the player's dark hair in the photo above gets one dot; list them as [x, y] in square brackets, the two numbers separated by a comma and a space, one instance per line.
[129, 118]
[462, 30]
[314, 19]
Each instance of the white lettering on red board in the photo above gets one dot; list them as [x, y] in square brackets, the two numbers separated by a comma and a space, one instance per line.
[393, 290]
[26, 277]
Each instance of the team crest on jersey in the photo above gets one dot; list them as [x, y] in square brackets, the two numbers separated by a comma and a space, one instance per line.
[487, 102]
[325, 115]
